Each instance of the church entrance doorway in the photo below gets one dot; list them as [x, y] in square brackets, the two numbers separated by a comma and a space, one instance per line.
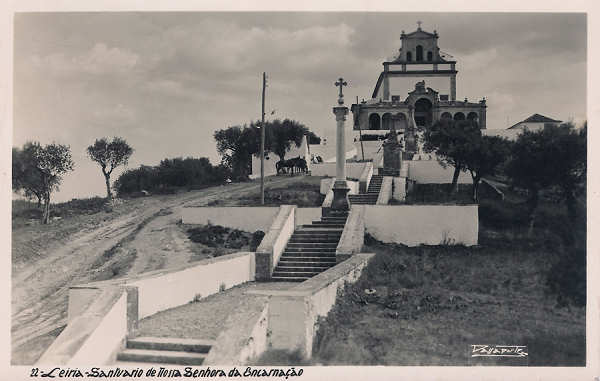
[423, 112]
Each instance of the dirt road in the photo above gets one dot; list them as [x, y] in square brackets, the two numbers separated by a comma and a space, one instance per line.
[138, 236]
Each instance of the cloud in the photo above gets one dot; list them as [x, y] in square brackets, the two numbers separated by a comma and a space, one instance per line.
[98, 60]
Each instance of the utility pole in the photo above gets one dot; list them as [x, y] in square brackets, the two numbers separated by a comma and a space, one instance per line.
[262, 143]
[360, 131]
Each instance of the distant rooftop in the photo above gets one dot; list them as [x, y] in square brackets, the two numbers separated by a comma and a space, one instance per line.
[536, 118]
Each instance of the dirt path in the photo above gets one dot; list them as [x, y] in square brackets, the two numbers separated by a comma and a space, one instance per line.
[74, 252]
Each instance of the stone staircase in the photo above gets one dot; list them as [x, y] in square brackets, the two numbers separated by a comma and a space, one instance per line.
[143, 351]
[311, 249]
[370, 197]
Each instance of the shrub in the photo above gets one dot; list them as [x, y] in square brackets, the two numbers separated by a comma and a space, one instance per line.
[257, 237]
[171, 175]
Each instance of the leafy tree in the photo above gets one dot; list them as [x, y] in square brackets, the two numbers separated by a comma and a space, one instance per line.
[236, 144]
[109, 155]
[552, 156]
[449, 140]
[40, 170]
[282, 134]
[25, 178]
[483, 155]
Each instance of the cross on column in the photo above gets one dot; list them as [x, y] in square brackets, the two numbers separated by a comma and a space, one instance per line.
[341, 83]
[419, 24]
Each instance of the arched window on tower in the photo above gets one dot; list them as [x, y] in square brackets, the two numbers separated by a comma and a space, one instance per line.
[409, 56]
[419, 53]
[429, 56]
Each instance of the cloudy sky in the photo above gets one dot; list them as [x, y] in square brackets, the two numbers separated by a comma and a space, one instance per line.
[166, 81]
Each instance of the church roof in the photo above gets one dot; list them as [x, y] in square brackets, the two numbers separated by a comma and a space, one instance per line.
[419, 33]
[536, 118]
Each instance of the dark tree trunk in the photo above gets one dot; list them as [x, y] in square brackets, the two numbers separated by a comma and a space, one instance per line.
[476, 181]
[454, 186]
[46, 212]
[109, 195]
[39, 203]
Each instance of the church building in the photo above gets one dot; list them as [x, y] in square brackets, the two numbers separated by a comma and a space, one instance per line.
[419, 58]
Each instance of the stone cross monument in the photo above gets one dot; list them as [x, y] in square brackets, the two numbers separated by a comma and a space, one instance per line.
[340, 188]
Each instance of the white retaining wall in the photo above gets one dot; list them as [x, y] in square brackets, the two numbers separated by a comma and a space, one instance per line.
[399, 192]
[171, 289]
[413, 225]
[353, 170]
[247, 218]
[432, 172]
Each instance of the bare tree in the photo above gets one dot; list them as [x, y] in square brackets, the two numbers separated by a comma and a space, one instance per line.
[110, 155]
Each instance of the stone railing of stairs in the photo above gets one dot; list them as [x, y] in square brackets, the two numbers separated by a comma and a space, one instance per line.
[274, 242]
[291, 315]
[352, 239]
[365, 177]
[385, 193]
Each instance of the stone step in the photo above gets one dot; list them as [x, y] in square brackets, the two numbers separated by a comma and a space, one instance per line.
[162, 357]
[314, 239]
[307, 269]
[329, 224]
[292, 245]
[296, 274]
[309, 253]
[310, 263]
[289, 278]
[170, 344]
[318, 233]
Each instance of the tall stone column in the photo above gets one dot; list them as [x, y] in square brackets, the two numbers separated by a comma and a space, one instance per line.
[340, 187]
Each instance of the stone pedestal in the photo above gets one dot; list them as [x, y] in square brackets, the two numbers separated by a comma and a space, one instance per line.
[340, 188]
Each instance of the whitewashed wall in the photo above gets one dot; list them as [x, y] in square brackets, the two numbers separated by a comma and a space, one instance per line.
[353, 170]
[413, 225]
[160, 291]
[432, 172]
[244, 218]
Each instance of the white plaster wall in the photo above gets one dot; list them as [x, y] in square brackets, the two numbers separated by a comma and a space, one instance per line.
[399, 192]
[79, 300]
[101, 346]
[180, 287]
[353, 170]
[286, 231]
[431, 172]
[257, 343]
[372, 149]
[305, 216]
[413, 225]
[245, 218]
[326, 185]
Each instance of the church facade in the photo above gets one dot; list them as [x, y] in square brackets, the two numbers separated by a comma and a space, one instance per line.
[420, 58]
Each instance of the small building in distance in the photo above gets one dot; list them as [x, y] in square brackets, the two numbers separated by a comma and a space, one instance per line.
[535, 122]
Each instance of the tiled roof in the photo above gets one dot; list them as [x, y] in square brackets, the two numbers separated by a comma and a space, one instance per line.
[536, 118]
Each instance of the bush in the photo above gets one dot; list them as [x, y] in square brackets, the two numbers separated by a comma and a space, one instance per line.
[257, 237]
[171, 175]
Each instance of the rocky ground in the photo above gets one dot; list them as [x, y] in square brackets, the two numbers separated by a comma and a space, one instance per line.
[136, 236]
